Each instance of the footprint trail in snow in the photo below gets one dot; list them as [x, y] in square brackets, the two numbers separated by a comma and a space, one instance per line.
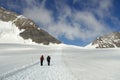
[57, 71]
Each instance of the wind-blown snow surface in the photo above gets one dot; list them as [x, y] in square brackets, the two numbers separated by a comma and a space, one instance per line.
[21, 62]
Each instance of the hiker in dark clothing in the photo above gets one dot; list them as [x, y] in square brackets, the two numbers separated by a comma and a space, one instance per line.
[48, 60]
[41, 60]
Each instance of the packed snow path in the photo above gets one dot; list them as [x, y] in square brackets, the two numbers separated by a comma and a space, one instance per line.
[56, 71]
[38, 72]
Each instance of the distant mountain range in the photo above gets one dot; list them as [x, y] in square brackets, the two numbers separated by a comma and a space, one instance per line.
[107, 41]
[17, 28]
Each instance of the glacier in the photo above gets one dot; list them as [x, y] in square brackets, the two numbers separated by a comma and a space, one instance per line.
[21, 62]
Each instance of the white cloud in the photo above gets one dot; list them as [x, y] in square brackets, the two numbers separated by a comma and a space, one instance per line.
[83, 25]
[104, 8]
[38, 14]
[91, 29]
[105, 5]
[30, 2]
[91, 26]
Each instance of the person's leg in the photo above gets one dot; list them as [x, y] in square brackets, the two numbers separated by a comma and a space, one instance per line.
[49, 63]
[41, 63]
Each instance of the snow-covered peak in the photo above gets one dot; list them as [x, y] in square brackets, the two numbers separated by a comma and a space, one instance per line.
[9, 33]
[107, 41]
[16, 28]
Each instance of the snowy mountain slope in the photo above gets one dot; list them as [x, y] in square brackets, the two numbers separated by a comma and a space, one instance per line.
[107, 41]
[9, 33]
[16, 28]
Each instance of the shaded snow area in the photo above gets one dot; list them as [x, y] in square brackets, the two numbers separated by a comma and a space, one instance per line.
[21, 62]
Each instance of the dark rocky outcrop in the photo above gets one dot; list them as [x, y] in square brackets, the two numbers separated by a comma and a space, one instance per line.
[108, 41]
[30, 29]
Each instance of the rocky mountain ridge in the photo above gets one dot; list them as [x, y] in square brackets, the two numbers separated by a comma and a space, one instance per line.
[107, 41]
[29, 30]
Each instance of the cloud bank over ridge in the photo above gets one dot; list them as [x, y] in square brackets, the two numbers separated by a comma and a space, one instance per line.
[72, 23]
[72, 19]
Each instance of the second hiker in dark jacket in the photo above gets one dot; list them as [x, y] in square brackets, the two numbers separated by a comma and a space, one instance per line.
[48, 60]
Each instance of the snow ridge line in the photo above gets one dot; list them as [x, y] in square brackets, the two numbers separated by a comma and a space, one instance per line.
[8, 74]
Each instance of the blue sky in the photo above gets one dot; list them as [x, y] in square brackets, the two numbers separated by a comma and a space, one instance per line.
[75, 22]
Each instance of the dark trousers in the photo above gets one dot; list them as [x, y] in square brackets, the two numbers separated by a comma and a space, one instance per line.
[48, 63]
[41, 63]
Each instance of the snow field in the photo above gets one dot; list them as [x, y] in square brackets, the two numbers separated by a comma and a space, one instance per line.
[38, 72]
[68, 63]
[28, 67]
[94, 64]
